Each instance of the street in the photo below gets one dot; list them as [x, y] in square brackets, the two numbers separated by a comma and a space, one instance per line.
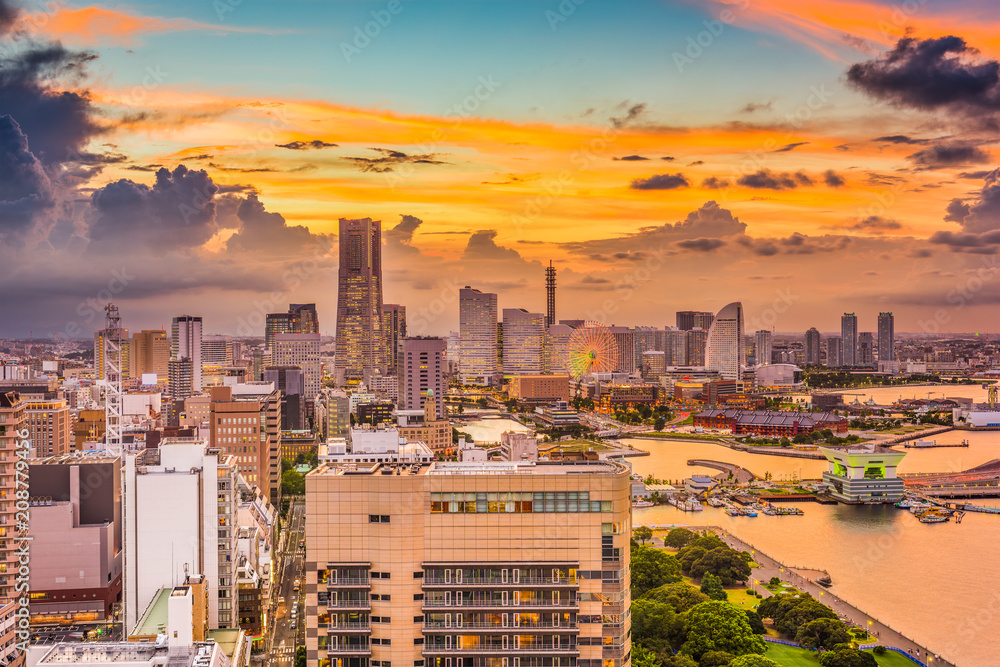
[283, 635]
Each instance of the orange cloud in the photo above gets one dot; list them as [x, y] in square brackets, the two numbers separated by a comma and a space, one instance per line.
[93, 26]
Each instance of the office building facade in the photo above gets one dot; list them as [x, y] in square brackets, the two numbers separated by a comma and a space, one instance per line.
[763, 345]
[185, 343]
[523, 341]
[149, 352]
[360, 344]
[421, 373]
[478, 358]
[50, 423]
[690, 319]
[393, 331]
[812, 347]
[834, 352]
[849, 339]
[886, 337]
[301, 350]
[866, 349]
[725, 352]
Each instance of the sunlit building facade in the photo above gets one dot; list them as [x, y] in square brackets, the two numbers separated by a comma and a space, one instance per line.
[724, 348]
[360, 344]
[477, 315]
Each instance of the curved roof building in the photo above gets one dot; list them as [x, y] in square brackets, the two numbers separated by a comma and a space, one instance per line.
[725, 351]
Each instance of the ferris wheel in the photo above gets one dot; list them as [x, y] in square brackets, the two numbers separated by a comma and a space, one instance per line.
[591, 349]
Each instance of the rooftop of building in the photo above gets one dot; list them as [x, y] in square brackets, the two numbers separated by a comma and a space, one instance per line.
[198, 654]
[75, 458]
[154, 619]
[607, 467]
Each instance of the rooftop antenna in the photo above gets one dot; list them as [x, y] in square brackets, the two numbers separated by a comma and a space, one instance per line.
[550, 294]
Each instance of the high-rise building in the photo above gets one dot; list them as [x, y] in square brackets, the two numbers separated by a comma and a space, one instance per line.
[849, 339]
[301, 350]
[647, 339]
[866, 349]
[277, 323]
[393, 331]
[149, 352]
[185, 343]
[360, 344]
[523, 339]
[12, 416]
[812, 347]
[216, 350]
[81, 516]
[99, 354]
[304, 318]
[536, 569]
[50, 423]
[724, 350]
[181, 378]
[697, 340]
[689, 319]
[550, 295]
[180, 513]
[886, 337]
[333, 413]
[625, 341]
[245, 421]
[763, 345]
[554, 359]
[477, 316]
[290, 381]
[834, 352]
[675, 351]
[421, 373]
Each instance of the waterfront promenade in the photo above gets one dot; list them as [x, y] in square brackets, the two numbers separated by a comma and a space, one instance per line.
[769, 567]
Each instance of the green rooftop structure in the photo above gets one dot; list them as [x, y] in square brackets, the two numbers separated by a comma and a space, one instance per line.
[864, 475]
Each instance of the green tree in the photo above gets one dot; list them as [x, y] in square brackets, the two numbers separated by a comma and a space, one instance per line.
[822, 633]
[723, 562]
[789, 613]
[652, 568]
[848, 657]
[643, 657]
[643, 533]
[688, 556]
[775, 581]
[293, 483]
[711, 586]
[719, 626]
[482, 402]
[653, 623]
[678, 660]
[679, 538]
[300, 656]
[751, 660]
[756, 624]
[681, 596]
[716, 659]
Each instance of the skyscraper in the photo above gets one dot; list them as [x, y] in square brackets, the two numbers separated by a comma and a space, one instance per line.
[277, 323]
[12, 415]
[185, 343]
[675, 346]
[149, 352]
[724, 350]
[523, 339]
[763, 345]
[812, 346]
[421, 373]
[393, 331]
[696, 340]
[625, 338]
[304, 318]
[301, 350]
[849, 339]
[690, 319]
[360, 345]
[550, 295]
[866, 349]
[554, 358]
[126, 344]
[886, 337]
[217, 350]
[834, 352]
[477, 314]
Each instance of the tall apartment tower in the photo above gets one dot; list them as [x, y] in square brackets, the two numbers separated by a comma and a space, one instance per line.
[360, 345]
[477, 315]
[763, 345]
[393, 331]
[523, 341]
[625, 341]
[180, 509]
[185, 343]
[886, 337]
[550, 295]
[301, 350]
[866, 349]
[149, 352]
[12, 416]
[724, 349]
[479, 563]
[421, 373]
[834, 352]
[849, 339]
[812, 346]
[690, 319]
[554, 358]
[277, 323]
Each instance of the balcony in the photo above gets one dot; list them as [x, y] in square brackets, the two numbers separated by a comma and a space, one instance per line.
[523, 581]
[349, 627]
[534, 649]
[349, 582]
[512, 606]
[351, 649]
[349, 604]
[548, 627]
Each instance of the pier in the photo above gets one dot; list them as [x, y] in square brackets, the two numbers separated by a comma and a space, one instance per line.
[983, 481]
[740, 475]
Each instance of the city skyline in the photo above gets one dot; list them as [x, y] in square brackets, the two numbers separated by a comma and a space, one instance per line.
[863, 179]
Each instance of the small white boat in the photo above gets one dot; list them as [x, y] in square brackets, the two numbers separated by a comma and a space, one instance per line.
[642, 503]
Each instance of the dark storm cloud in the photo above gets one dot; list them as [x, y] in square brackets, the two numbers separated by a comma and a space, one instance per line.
[8, 13]
[765, 179]
[390, 159]
[25, 189]
[833, 179]
[979, 218]
[400, 237]
[263, 231]
[876, 224]
[661, 182]
[482, 245]
[632, 112]
[631, 158]
[940, 73]
[315, 144]
[701, 245]
[789, 147]
[899, 139]
[178, 211]
[948, 155]
[713, 183]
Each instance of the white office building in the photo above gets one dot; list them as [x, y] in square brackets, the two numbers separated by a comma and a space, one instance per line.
[725, 352]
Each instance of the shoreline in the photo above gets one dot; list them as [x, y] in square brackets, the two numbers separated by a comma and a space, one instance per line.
[792, 574]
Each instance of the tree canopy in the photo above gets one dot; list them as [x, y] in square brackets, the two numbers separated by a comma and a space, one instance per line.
[753, 660]
[711, 586]
[719, 626]
[643, 533]
[822, 633]
[654, 623]
[680, 596]
[789, 613]
[723, 562]
[652, 568]
[679, 538]
[848, 657]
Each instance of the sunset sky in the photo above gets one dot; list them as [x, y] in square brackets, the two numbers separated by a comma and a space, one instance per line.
[806, 158]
